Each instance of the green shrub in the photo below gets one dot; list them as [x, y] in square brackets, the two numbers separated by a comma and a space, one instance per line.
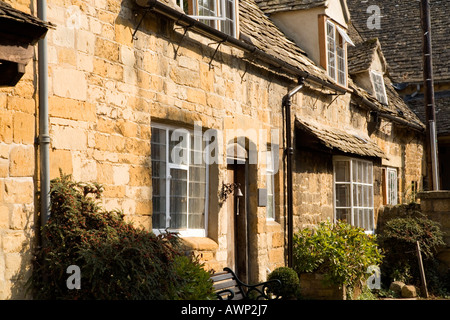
[398, 241]
[195, 281]
[290, 283]
[338, 250]
[116, 260]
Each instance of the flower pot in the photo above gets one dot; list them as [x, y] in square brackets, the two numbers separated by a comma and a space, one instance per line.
[314, 287]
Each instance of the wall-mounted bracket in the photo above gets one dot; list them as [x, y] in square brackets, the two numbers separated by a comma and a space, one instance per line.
[215, 51]
[139, 24]
[186, 29]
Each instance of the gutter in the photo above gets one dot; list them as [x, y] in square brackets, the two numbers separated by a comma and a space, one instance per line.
[391, 117]
[182, 19]
[289, 153]
[44, 137]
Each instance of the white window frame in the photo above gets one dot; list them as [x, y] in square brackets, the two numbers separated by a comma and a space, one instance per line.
[270, 175]
[378, 83]
[391, 178]
[169, 165]
[353, 184]
[219, 14]
[331, 49]
[336, 55]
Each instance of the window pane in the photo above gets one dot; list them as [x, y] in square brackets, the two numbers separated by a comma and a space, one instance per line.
[378, 86]
[178, 199]
[270, 197]
[197, 186]
[357, 195]
[392, 186]
[358, 217]
[365, 196]
[343, 215]
[227, 25]
[270, 207]
[370, 222]
[341, 66]
[207, 8]
[359, 168]
[342, 195]
[158, 153]
[197, 197]
[178, 146]
[342, 169]
[331, 50]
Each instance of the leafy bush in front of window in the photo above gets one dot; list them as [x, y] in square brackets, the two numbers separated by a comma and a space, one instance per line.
[116, 260]
[338, 250]
[398, 240]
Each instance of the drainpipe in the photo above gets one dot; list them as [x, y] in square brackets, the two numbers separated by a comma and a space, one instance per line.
[44, 137]
[430, 105]
[289, 153]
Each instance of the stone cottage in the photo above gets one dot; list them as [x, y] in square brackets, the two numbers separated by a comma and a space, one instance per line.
[400, 35]
[181, 109]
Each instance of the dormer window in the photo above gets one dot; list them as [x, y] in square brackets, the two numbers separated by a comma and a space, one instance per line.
[378, 86]
[334, 57]
[218, 14]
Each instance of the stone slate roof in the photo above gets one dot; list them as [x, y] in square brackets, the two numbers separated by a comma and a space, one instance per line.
[266, 36]
[269, 6]
[400, 36]
[361, 55]
[18, 23]
[396, 107]
[337, 139]
[257, 29]
[442, 108]
[359, 59]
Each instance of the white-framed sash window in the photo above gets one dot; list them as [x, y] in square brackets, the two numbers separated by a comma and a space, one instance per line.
[218, 14]
[379, 87]
[179, 182]
[336, 52]
[391, 186]
[270, 186]
[353, 192]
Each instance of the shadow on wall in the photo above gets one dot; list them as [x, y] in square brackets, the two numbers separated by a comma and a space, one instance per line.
[18, 264]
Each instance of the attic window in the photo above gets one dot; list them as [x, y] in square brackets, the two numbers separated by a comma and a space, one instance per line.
[378, 86]
[336, 52]
[218, 14]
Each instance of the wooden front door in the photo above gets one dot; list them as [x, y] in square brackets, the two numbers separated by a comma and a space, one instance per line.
[237, 239]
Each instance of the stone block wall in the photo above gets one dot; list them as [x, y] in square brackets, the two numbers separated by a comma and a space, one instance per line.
[17, 183]
[106, 88]
[436, 206]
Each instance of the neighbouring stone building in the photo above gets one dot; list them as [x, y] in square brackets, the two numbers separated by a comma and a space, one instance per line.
[400, 35]
[180, 116]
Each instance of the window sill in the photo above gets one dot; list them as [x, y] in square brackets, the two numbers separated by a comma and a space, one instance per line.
[272, 226]
[199, 243]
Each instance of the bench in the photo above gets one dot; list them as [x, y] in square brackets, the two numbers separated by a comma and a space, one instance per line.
[228, 287]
